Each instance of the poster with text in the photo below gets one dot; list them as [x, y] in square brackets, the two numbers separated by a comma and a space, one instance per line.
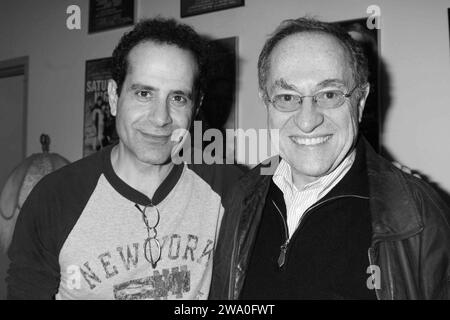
[99, 124]
[106, 14]
[195, 7]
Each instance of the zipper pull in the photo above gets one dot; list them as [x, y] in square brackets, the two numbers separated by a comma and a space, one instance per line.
[282, 257]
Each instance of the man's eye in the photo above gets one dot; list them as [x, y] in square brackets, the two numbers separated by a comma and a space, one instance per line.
[329, 95]
[179, 100]
[143, 94]
[287, 98]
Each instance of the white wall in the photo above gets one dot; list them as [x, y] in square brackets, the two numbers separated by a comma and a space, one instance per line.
[11, 138]
[414, 46]
[11, 127]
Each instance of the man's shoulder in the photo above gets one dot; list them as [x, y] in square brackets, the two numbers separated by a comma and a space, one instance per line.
[413, 197]
[220, 177]
[429, 202]
[217, 170]
[80, 173]
[58, 199]
[260, 173]
[254, 181]
[401, 181]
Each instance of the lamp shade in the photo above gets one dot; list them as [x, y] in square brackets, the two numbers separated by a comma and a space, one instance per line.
[19, 185]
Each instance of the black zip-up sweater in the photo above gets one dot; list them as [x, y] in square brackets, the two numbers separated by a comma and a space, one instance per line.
[326, 257]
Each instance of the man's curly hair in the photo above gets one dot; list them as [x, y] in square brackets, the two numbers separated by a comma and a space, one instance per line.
[161, 31]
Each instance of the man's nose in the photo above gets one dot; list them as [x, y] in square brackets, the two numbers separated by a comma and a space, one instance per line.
[308, 117]
[160, 114]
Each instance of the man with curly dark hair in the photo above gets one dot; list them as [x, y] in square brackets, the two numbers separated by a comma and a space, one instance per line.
[161, 31]
[127, 222]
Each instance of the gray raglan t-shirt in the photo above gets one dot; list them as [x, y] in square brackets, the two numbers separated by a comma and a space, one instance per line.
[90, 243]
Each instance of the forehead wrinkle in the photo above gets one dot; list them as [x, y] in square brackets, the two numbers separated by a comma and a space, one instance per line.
[332, 82]
[325, 47]
[282, 83]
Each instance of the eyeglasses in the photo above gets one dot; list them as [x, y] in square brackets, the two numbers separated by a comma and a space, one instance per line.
[152, 247]
[327, 99]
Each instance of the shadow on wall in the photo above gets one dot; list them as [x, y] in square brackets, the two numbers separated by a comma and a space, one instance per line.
[385, 104]
[219, 107]
[380, 98]
[219, 100]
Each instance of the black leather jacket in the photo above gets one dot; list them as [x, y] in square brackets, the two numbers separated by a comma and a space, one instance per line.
[410, 240]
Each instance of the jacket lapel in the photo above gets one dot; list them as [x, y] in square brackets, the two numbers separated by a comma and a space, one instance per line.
[395, 217]
[394, 214]
[254, 200]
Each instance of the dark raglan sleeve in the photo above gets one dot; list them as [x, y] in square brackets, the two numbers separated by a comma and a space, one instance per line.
[45, 221]
[34, 268]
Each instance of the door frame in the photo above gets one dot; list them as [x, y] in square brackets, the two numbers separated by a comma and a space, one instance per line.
[17, 67]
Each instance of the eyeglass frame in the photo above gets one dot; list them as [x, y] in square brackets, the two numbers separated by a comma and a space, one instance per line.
[314, 99]
[154, 232]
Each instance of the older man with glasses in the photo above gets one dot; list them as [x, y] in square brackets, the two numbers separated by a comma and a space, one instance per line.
[335, 220]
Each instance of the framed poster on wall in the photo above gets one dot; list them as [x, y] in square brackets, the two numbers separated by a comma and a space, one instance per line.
[107, 14]
[196, 7]
[369, 39]
[99, 125]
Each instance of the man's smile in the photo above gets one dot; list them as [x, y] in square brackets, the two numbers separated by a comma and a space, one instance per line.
[310, 141]
[158, 138]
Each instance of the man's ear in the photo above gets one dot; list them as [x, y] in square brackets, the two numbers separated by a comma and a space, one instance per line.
[263, 96]
[112, 96]
[362, 100]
